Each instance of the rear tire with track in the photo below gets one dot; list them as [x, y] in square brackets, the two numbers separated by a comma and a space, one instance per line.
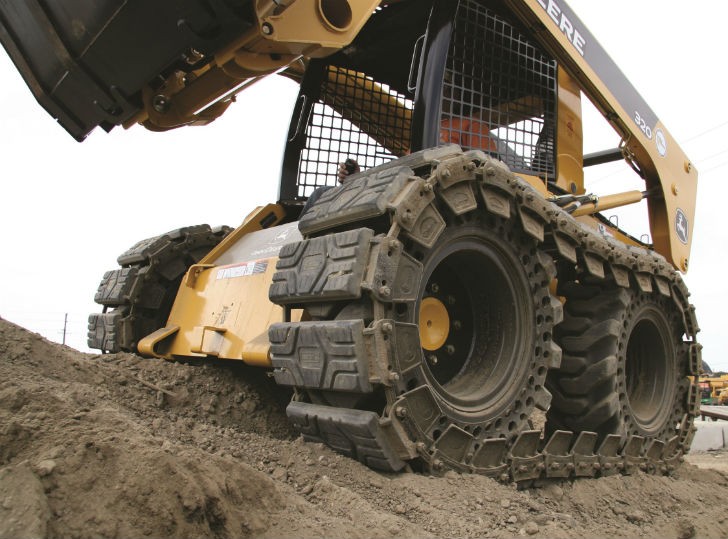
[625, 364]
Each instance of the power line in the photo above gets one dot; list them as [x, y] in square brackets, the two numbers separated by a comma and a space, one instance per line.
[599, 180]
[715, 167]
[16, 312]
[45, 320]
[709, 130]
[722, 152]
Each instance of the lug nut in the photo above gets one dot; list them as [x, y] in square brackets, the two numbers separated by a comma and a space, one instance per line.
[457, 324]
[435, 288]
[192, 56]
[401, 411]
[432, 358]
[161, 103]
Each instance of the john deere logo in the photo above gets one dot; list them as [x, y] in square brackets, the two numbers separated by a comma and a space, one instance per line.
[282, 236]
[661, 143]
[681, 226]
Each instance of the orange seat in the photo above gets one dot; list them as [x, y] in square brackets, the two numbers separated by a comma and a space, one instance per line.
[469, 134]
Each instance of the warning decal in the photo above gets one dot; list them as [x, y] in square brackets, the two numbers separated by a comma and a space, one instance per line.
[242, 270]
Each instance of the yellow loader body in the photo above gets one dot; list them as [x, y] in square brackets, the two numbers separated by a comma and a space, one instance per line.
[222, 308]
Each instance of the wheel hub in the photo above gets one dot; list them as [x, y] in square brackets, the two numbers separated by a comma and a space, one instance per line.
[434, 324]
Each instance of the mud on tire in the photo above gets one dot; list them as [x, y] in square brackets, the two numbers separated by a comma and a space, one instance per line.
[137, 297]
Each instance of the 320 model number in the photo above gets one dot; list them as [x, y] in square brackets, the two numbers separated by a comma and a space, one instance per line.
[640, 121]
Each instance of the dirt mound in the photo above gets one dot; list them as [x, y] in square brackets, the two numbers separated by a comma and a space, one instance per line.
[119, 446]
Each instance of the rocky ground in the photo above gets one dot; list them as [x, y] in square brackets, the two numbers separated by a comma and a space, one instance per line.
[119, 446]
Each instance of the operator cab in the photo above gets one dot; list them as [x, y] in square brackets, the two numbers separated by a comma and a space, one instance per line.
[455, 72]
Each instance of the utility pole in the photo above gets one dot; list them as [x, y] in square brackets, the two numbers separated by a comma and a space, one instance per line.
[65, 324]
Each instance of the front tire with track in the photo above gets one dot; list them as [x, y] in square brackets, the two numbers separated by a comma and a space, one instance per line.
[458, 338]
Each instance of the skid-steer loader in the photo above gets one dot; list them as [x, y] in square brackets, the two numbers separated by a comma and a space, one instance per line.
[428, 310]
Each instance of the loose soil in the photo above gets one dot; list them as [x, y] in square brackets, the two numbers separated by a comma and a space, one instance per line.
[120, 446]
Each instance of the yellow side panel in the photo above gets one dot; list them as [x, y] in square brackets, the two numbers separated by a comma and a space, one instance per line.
[222, 308]
[225, 310]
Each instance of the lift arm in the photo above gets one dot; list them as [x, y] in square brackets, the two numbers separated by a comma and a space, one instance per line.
[646, 142]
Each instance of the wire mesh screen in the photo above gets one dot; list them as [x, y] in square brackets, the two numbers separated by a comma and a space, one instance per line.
[499, 93]
[355, 118]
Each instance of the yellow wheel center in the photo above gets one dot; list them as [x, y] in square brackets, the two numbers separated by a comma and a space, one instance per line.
[434, 324]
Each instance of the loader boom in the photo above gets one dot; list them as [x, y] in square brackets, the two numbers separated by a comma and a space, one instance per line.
[646, 142]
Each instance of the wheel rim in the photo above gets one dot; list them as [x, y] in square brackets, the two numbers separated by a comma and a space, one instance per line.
[479, 291]
[649, 362]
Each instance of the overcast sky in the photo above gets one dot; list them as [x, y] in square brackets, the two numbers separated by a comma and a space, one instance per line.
[69, 209]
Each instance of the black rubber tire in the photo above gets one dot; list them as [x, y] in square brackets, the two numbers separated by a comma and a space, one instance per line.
[625, 366]
[492, 279]
[138, 297]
